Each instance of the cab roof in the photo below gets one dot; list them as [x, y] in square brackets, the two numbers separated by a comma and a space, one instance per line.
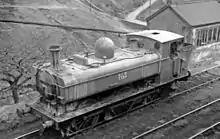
[161, 36]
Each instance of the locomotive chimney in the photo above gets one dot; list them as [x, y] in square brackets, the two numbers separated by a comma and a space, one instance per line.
[55, 51]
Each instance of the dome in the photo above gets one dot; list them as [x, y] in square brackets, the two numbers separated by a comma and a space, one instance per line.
[104, 47]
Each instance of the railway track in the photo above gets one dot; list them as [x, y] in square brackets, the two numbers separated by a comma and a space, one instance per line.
[197, 80]
[172, 122]
[212, 131]
[29, 135]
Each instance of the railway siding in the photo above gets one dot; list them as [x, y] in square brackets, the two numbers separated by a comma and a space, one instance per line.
[181, 121]
[186, 124]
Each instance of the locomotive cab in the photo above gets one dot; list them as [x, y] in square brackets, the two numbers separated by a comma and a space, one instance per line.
[174, 53]
[140, 43]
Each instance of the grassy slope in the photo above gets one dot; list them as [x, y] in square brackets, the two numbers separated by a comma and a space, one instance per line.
[76, 14]
[119, 8]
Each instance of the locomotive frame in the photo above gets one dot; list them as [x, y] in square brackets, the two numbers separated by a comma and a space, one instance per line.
[172, 66]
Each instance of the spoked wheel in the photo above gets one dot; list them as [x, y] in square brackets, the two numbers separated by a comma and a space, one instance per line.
[78, 125]
[71, 127]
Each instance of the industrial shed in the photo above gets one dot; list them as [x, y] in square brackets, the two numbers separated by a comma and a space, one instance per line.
[199, 22]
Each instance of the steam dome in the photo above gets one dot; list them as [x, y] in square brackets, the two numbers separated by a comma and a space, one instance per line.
[104, 47]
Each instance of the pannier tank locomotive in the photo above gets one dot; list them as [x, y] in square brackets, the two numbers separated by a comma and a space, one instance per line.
[87, 88]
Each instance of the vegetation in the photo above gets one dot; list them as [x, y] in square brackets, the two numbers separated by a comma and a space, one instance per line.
[15, 67]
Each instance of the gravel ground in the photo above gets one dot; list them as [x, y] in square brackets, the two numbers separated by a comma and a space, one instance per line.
[27, 124]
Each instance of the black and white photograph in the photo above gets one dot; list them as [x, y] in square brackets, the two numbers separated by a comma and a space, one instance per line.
[109, 69]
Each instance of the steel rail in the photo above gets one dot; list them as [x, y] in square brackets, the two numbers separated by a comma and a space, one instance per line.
[61, 26]
[205, 70]
[203, 131]
[172, 96]
[192, 88]
[27, 134]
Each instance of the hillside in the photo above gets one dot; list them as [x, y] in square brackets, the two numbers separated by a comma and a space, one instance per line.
[118, 8]
[64, 12]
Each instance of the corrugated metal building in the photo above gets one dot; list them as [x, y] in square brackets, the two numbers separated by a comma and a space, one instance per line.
[199, 22]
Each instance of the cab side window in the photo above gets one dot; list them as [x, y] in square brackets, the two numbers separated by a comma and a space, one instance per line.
[173, 49]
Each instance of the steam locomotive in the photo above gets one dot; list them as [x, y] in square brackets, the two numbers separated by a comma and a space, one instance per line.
[154, 58]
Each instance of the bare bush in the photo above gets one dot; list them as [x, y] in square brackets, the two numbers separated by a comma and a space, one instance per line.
[15, 67]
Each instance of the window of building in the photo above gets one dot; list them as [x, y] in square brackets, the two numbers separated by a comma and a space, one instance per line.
[198, 38]
[210, 35]
[214, 34]
[204, 37]
[201, 37]
[184, 29]
[218, 36]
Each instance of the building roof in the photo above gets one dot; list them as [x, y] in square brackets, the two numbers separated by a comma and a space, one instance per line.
[158, 35]
[200, 13]
[196, 13]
